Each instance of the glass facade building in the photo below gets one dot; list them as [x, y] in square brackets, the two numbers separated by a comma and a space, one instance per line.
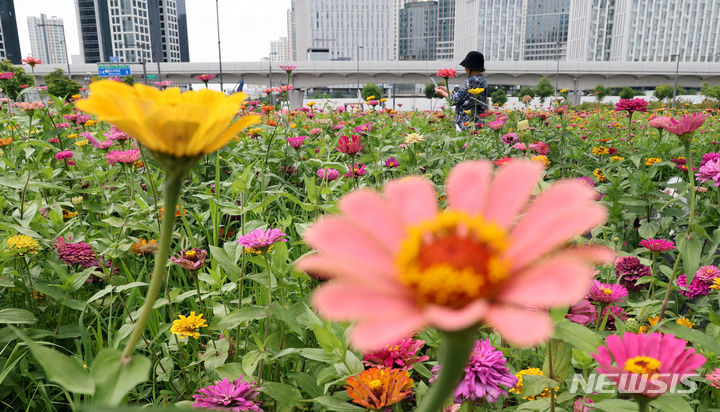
[445, 30]
[9, 40]
[417, 31]
[546, 29]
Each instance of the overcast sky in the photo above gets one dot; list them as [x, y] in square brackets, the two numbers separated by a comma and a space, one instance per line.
[246, 26]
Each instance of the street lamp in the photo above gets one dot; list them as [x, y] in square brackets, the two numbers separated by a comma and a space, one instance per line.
[67, 58]
[357, 56]
[272, 98]
[217, 18]
[557, 70]
[677, 69]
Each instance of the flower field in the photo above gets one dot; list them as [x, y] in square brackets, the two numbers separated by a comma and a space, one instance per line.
[178, 250]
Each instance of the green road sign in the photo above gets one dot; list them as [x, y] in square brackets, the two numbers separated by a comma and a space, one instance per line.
[152, 76]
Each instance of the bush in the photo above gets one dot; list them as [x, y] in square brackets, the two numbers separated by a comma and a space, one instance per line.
[499, 97]
[11, 86]
[601, 92]
[525, 91]
[129, 80]
[710, 91]
[61, 85]
[627, 93]
[544, 89]
[588, 106]
[371, 89]
[429, 90]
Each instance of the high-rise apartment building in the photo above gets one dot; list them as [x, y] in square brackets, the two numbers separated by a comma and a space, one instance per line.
[495, 28]
[590, 30]
[546, 29]
[47, 39]
[290, 53]
[417, 31]
[278, 50]
[347, 29]
[9, 40]
[133, 30]
[445, 30]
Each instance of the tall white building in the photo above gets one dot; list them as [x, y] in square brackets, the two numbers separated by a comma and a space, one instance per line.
[290, 53]
[492, 27]
[347, 29]
[645, 30]
[47, 39]
[279, 49]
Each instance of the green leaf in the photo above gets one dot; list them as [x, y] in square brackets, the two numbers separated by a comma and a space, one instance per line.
[327, 340]
[692, 335]
[648, 230]
[535, 384]
[229, 265]
[335, 404]
[616, 405]
[561, 357]
[577, 335]
[61, 369]
[669, 402]
[230, 371]
[236, 317]
[115, 378]
[690, 250]
[16, 316]
[283, 393]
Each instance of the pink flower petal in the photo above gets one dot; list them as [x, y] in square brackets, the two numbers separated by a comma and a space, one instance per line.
[520, 327]
[349, 270]
[344, 301]
[371, 211]
[338, 236]
[467, 186]
[455, 319]
[374, 334]
[511, 189]
[560, 213]
[414, 199]
[560, 280]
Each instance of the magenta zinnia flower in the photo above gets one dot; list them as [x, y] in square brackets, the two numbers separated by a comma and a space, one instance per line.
[235, 396]
[582, 312]
[261, 239]
[714, 378]
[629, 270]
[351, 145]
[401, 264]
[710, 171]
[122, 156]
[288, 67]
[401, 355]
[296, 142]
[65, 154]
[358, 169]
[657, 245]
[486, 376]
[205, 77]
[687, 124]
[446, 73]
[696, 288]
[607, 293]
[116, 134]
[192, 259]
[6, 75]
[707, 273]
[646, 364]
[391, 162]
[509, 138]
[631, 105]
[329, 174]
[75, 253]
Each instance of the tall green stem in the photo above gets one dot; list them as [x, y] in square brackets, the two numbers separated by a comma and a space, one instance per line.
[172, 193]
[457, 347]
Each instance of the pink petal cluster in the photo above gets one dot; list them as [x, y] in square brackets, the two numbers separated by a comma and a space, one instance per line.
[357, 170]
[190, 261]
[606, 292]
[657, 245]
[235, 396]
[659, 122]
[288, 67]
[164, 83]
[260, 239]
[296, 141]
[6, 75]
[65, 154]
[583, 312]
[631, 105]
[714, 378]
[123, 156]
[676, 362]
[205, 77]
[116, 134]
[686, 124]
[709, 171]
[75, 253]
[540, 148]
[359, 249]
[629, 270]
[101, 145]
[707, 273]
[495, 124]
[509, 138]
[329, 174]
[697, 287]
[350, 145]
[391, 162]
[446, 73]
[30, 105]
[400, 355]
[315, 131]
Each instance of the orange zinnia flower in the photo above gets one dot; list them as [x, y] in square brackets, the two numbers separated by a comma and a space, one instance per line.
[377, 388]
[5, 142]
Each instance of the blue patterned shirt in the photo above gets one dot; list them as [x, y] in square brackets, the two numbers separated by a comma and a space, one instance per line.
[464, 101]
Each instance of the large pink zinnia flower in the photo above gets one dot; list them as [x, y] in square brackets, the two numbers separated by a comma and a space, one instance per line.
[606, 292]
[631, 105]
[401, 264]
[686, 124]
[647, 364]
[446, 73]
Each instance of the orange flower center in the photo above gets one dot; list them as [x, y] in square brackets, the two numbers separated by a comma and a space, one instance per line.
[607, 291]
[453, 259]
[642, 365]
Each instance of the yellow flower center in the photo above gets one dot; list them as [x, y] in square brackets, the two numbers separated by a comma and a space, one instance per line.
[375, 384]
[607, 291]
[190, 254]
[453, 259]
[642, 365]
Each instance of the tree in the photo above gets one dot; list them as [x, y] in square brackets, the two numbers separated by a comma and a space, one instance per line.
[544, 89]
[526, 91]
[710, 91]
[371, 89]
[663, 92]
[499, 96]
[429, 90]
[627, 93]
[129, 80]
[11, 86]
[60, 85]
[600, 92]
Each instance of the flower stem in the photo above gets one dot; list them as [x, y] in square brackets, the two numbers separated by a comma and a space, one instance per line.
[456, 352]
[173, 184]
[643, 404]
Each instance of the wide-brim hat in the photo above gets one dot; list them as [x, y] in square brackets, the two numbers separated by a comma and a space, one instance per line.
[474, 61]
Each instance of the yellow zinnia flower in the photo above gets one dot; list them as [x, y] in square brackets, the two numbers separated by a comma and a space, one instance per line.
[188, 326]
[476, 91]
[22, 244]
[651, 161]
[169, 122]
